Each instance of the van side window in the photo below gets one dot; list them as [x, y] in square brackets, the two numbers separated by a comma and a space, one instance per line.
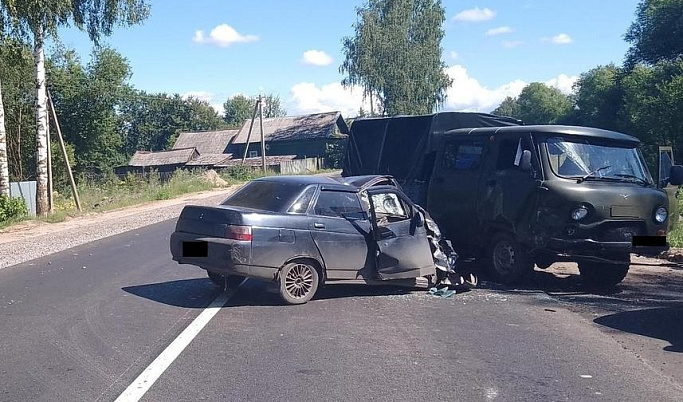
[510, 153]
[463, 155]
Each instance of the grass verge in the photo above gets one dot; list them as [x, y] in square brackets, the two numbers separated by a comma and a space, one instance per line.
[112, 193]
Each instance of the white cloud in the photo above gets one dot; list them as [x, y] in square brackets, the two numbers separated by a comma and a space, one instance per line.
[316, 58]
[465, 95]
[560, 39]
[475, 15]
[205, 96]
[309, 98]
[223, 35]
[201, 95]
[499, 31]
[563, 82]
[453, 55]
[510, 44]
[468, 95]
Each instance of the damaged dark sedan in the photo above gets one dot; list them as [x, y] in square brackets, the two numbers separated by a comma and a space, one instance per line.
[301, 232]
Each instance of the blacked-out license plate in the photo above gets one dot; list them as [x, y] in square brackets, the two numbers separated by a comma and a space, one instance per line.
[195, 249]
[649, 241]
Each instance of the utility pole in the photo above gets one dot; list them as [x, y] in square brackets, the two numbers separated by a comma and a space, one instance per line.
[263, 135]
[64, 154]
[251, 126]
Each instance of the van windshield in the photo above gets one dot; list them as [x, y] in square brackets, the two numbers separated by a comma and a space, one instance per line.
[583, 159]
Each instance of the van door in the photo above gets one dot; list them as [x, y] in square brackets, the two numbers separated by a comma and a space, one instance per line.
[508, 195]
[402, 243]
[666, 160]
[452, 198]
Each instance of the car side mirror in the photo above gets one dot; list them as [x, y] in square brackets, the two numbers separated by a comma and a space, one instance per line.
[525, 163]
[676, 175]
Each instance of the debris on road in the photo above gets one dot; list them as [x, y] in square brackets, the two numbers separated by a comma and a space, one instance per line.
[443, 293]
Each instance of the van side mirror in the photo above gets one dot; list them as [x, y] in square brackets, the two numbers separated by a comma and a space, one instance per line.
[676, 175]
[525, 163]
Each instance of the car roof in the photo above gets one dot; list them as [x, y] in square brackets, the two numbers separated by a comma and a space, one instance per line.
[550, 129]
[350, 183]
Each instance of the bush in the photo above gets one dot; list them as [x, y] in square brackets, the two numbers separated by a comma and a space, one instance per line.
[11, 208]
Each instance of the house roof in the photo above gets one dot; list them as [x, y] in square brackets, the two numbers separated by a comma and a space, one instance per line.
[206, 142]
[172, 157]
[270, 161]
[294, 128]
[208, 159]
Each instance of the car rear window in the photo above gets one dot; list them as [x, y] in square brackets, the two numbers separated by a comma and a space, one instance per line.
[271, 196]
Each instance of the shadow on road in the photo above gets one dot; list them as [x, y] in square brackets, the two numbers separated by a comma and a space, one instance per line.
[661, 323]
[188, 293]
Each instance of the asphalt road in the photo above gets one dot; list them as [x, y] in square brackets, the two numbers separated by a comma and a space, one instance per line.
[84, 323]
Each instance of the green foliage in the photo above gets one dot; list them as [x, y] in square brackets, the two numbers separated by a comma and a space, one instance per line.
[11, 208]
[541, 104]
[239, 108]
[334, 153]
[394, 42]
[86, 99]
[152, 122]
[657, 33]
[97, 18]
[537, 104]
[16, 75]
[60, 176]
[508, 107]
[598, 98]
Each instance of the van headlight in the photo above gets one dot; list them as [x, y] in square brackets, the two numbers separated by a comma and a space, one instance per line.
[580, 213]
[661, 214]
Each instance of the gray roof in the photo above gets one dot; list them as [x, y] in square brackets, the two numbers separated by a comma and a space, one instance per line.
[270, 161]
[172, 157]
[209, 159]
[206, 142]
[294, 128]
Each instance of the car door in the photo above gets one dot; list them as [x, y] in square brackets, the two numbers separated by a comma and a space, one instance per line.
[341, 231]
[666, 160]
[401, 238]
[452, 199]
[509, 193]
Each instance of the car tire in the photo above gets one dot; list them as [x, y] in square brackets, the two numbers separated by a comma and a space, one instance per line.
[598, 275]
[508, 261]
[227, 282]
[298, 282]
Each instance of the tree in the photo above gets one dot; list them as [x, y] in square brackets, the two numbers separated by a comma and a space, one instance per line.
[653, 104]
[598, 98]
[541, 104]
[240, 108]
[16, 72]
[40, 18]
[86, 99]
[152, 122]
[4, 167]
[395, 55]
[657, 33]
[508, 107]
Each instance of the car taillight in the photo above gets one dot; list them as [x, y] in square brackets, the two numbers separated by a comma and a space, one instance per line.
[238, 233]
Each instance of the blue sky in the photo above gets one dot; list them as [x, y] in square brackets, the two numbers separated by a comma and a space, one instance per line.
[215, 49]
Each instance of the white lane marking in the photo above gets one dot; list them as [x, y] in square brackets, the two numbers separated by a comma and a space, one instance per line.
[137, 389]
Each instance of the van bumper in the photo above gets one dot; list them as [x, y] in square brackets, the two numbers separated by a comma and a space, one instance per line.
[593, 248]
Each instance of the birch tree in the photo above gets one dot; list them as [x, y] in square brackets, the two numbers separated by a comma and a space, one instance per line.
[4, 168]
[37, 19]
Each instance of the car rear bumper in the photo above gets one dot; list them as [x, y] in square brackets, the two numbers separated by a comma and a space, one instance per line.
[224, 256]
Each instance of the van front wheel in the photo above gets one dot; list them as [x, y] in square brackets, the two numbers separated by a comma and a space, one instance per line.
[509, 261]
[600, 275]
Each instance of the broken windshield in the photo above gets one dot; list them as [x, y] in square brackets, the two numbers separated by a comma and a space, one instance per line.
[584, 160]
